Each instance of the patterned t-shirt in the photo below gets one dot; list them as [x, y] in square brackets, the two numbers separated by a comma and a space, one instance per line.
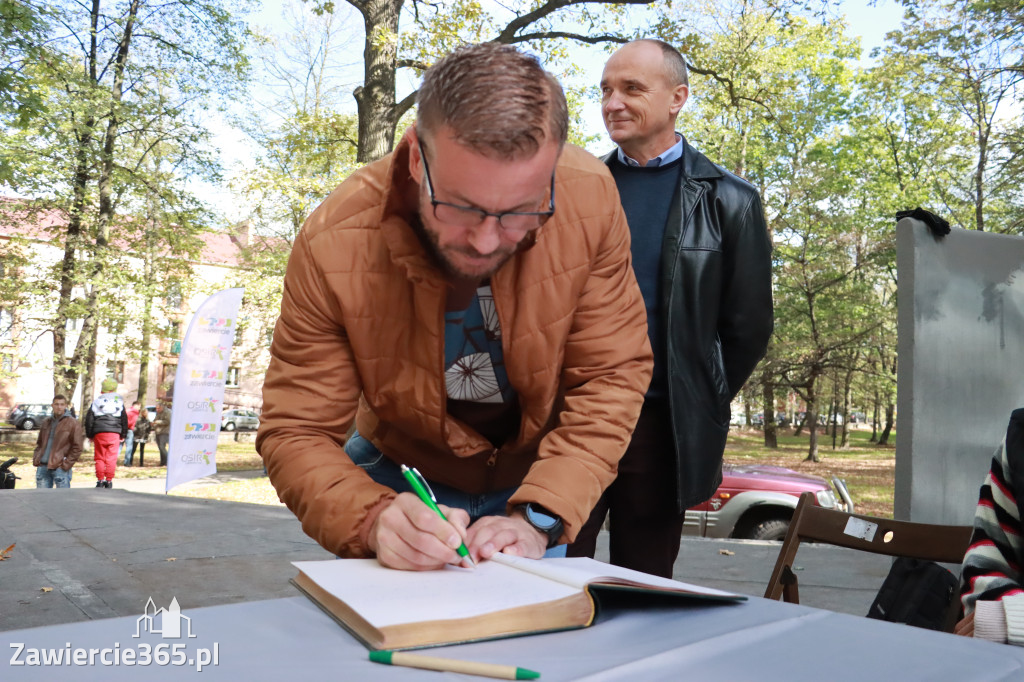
[473, 360]
[479, 392]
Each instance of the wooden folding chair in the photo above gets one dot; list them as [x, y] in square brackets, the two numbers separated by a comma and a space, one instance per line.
[931, 542]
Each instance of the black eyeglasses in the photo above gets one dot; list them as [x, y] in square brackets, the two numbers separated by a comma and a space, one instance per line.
[513, 222]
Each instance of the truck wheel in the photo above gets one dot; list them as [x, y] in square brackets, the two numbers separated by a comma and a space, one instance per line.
[770, 529]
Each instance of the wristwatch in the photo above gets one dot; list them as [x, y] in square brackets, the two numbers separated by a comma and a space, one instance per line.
[543, 520]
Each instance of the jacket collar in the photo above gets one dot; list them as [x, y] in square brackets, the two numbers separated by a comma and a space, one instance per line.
[399, 222]
[696, 166]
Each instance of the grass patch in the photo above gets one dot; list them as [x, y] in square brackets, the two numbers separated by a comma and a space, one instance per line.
[253, 490]
[230, 457]
[867, 468]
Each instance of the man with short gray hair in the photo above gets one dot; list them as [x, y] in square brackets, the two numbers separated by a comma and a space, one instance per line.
[467, 304]
[702, 256]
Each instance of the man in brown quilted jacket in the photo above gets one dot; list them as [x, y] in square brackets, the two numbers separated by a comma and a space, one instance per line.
[467, 304]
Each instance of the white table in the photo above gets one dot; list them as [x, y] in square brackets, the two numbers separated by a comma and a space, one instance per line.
[286, 640]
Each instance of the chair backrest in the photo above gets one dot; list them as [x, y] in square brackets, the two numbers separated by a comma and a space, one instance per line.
[945, 544]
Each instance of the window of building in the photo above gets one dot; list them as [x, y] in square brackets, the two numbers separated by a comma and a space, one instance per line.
[115, 370]
[167, 372]
[234, 377]
[174, 299]
[7, 362]
[6, 324]
[174, 330]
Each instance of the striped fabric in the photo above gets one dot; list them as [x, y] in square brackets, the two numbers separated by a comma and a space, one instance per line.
[992, 565]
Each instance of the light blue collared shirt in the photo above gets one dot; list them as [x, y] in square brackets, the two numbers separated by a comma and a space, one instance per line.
[668, 156]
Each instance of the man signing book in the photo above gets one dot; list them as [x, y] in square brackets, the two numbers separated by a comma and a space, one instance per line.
[467, 302]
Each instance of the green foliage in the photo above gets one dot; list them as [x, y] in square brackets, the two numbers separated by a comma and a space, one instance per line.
[306, 147]
[967, 56]
[123, 132]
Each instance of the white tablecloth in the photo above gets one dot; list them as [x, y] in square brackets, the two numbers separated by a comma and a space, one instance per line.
[287, 640]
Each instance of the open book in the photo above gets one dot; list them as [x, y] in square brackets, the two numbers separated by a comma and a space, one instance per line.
[504, 597]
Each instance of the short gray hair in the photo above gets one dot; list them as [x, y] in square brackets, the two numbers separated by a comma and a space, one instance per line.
[675, 64]
[497, 100]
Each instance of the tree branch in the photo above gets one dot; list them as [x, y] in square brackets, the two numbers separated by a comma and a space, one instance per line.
[405, 104]
[508, 34]
[412, 64]
[593, 40]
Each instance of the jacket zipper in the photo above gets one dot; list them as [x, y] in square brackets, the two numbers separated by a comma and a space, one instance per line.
[444, 385]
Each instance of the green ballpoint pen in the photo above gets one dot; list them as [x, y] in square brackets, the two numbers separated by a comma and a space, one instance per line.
[423, 491]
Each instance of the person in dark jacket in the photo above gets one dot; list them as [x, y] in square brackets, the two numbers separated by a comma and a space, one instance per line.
[702, 257]
[141, 434]
[58, 447]
[128, 446]
[106, 424]
[162, 430]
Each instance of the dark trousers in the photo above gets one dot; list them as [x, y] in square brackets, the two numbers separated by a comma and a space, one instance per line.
[142, 452]
[645, 524]
[161, 443]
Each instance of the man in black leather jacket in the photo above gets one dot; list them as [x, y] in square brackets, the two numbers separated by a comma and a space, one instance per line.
[702, 256]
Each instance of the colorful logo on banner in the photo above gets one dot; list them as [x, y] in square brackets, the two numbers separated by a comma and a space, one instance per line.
[199, 388]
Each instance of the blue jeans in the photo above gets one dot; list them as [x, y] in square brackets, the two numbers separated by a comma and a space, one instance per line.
[128, 448]
[382, 470]
[55, 478]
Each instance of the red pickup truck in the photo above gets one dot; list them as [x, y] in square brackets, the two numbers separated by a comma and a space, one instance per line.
[756, 502]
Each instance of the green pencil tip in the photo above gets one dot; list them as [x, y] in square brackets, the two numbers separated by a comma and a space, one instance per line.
[381, 657]
[524, 674]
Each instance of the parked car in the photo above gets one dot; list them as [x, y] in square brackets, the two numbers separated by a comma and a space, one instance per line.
[28, 416]
[239, 419]
[756, 502]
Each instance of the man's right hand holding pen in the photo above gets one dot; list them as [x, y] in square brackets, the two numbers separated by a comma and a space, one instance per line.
[414, 533]
[410, 536]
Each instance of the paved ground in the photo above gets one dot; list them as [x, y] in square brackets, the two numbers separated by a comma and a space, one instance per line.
[87, 553]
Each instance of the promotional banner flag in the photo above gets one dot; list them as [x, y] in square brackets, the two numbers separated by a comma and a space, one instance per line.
[199, 388]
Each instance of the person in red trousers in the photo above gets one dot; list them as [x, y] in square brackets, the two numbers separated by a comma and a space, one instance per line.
[106, 424]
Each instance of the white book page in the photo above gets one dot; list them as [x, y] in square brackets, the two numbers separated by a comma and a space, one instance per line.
[580, 571]
[384, 596]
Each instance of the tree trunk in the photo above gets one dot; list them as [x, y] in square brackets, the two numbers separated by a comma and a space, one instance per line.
[375, 98]
[147, 313]
[812, 422]
[86, 347]
[799, 427]
[147, 336]
[889, 410]
[874, 418]
[89, 373]
[847, 399]
[771, 439]
[979, 173]
[812, 433]
[65, 374]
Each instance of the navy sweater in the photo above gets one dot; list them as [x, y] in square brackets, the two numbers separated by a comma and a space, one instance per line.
[646, 199]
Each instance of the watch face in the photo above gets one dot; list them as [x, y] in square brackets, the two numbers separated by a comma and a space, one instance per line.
[539, 517]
